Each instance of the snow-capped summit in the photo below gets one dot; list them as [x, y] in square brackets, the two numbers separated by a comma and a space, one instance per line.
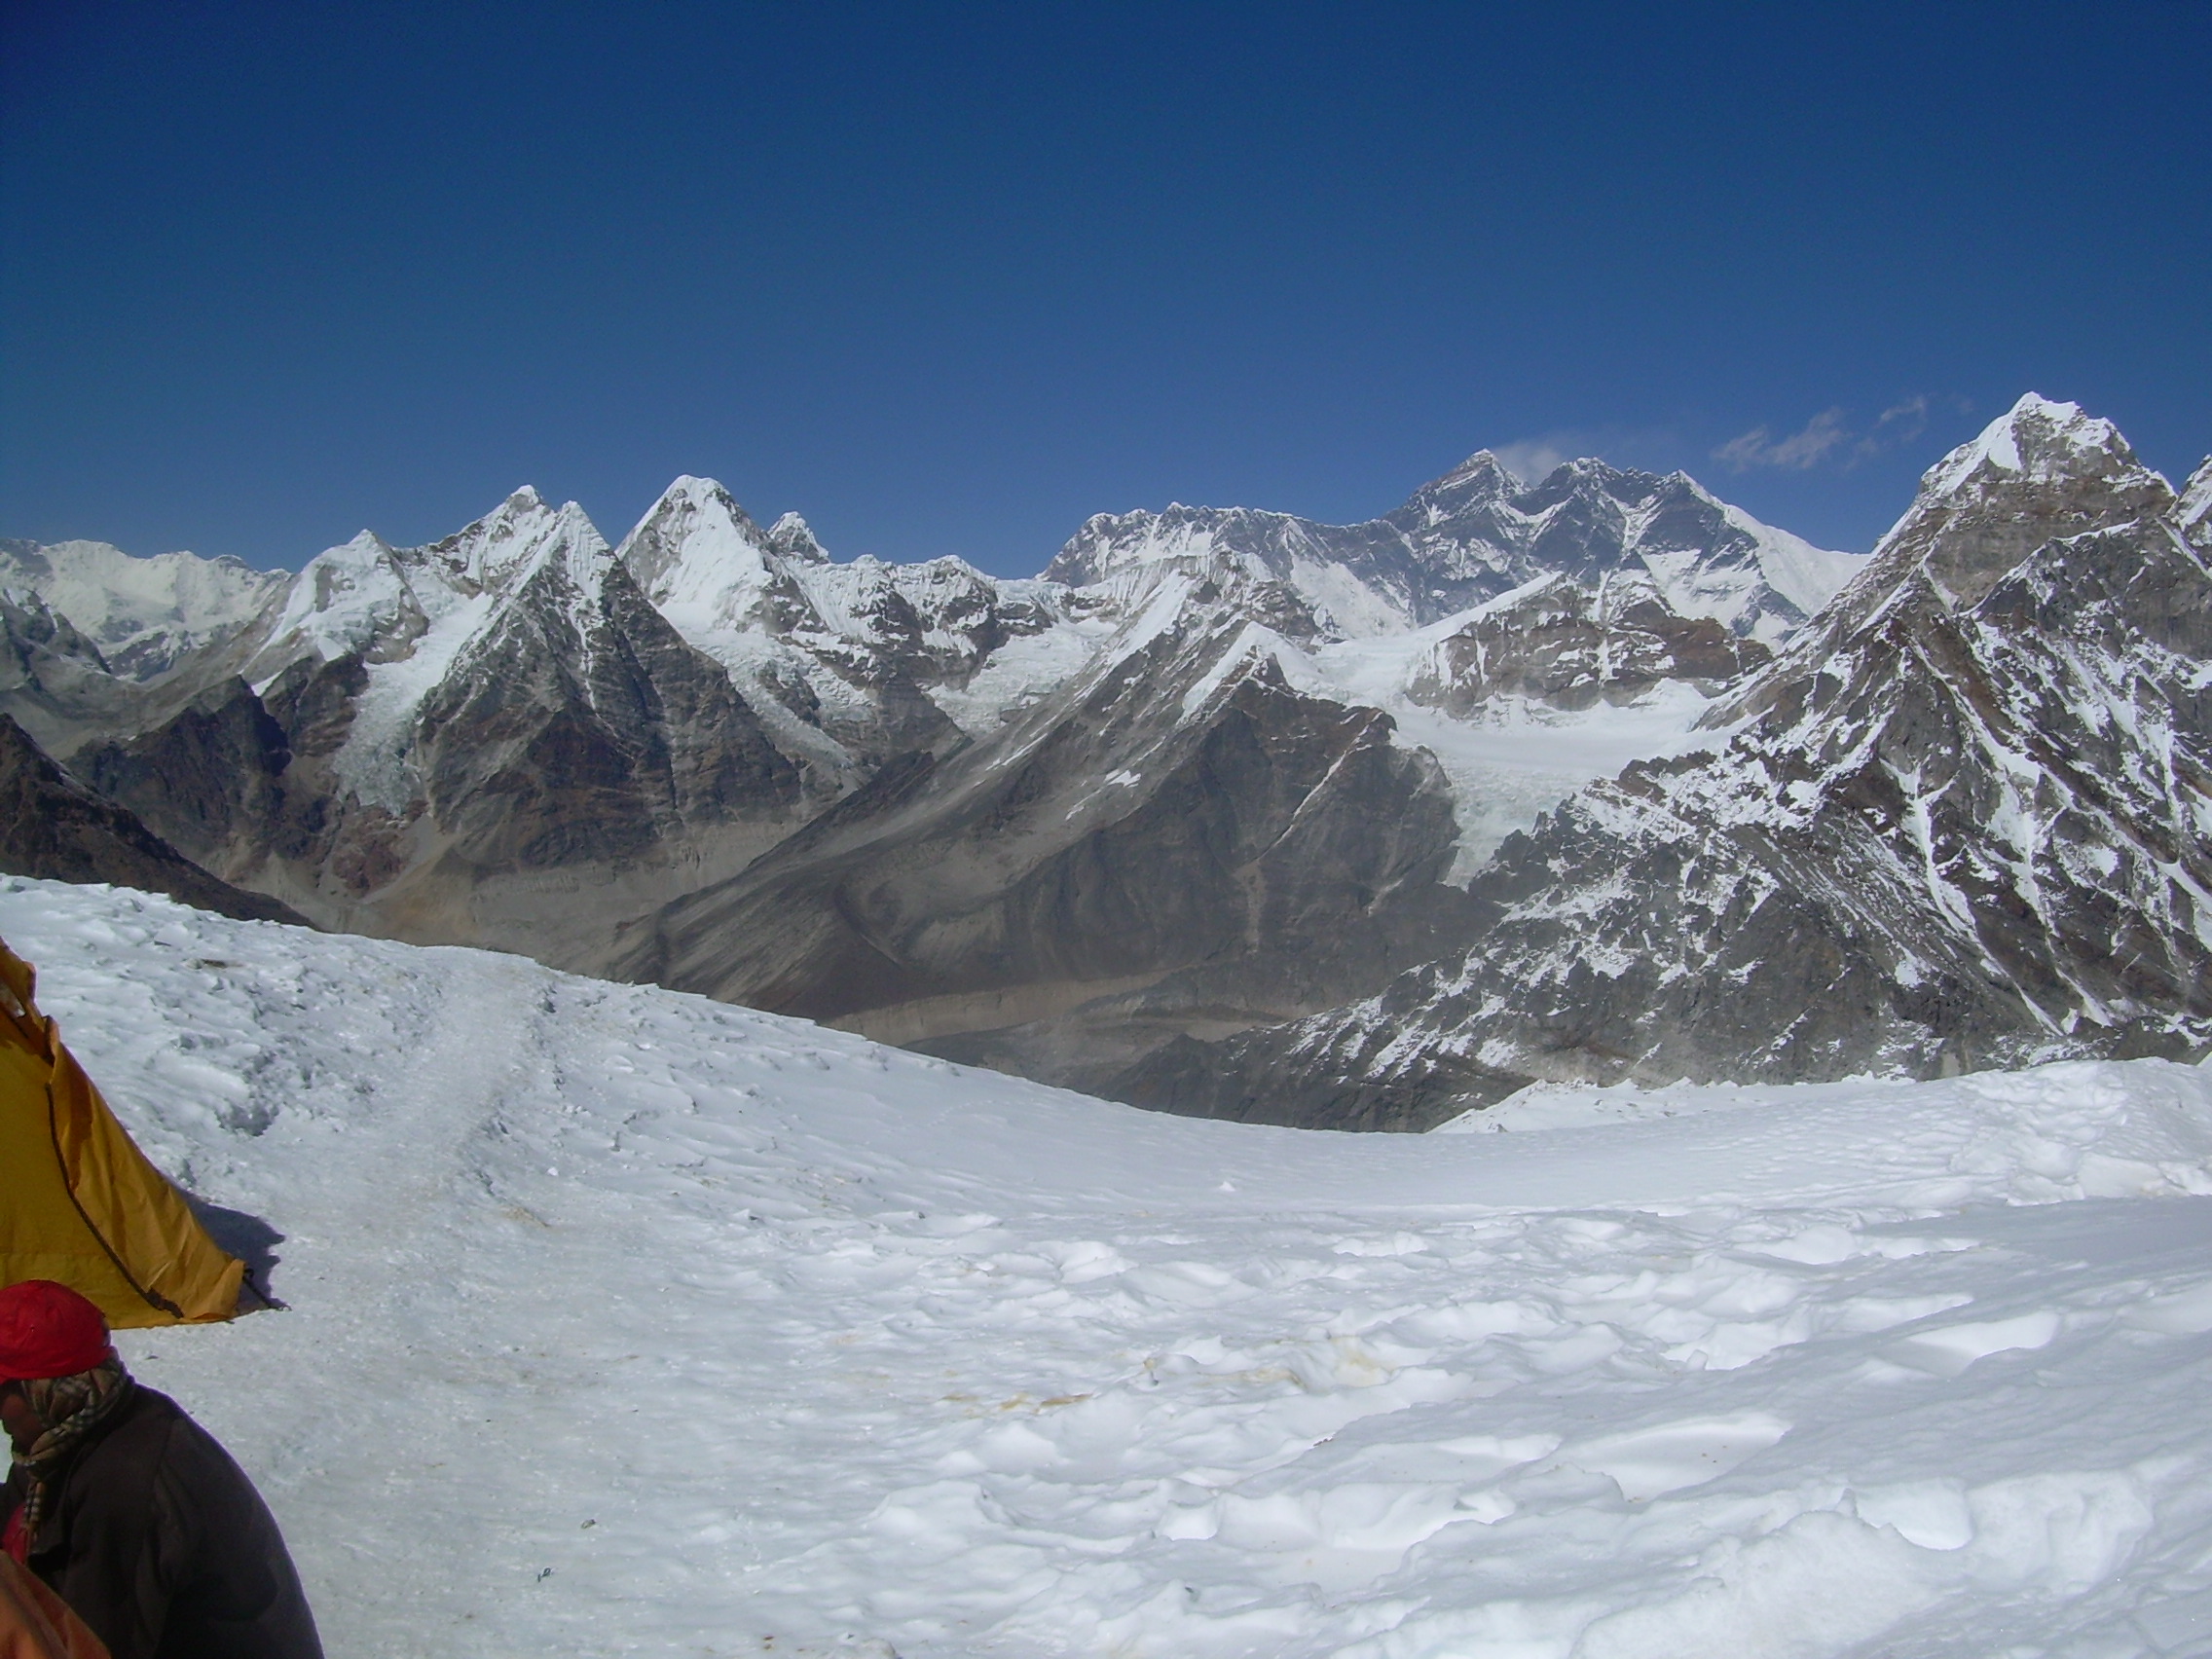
[792, 537]
[575, 548]
[2042, 468]
[2036, 439]
[1481, 478]
[514, 537]
[368, 599]
[351, 598]
[702, 560]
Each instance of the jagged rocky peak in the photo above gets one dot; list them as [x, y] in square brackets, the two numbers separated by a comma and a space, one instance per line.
[366, 598]
[1475, 482]
[792, 537]
[514, 539]
[2038, 471]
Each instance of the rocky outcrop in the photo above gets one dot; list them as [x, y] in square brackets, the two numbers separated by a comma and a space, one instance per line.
[55, 828]
[1568, 645]
[1963, 823]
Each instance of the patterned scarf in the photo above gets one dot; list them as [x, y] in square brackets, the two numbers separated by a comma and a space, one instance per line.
[70, 1407]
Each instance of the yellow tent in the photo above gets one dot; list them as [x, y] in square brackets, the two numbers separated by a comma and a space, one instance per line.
[79, 1202]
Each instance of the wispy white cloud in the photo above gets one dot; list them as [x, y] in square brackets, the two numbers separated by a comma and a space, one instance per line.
[1799, 452]
[1825, 440]
[1913, 410]
[1533, 459]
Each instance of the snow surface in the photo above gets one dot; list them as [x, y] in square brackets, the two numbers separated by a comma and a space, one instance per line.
[1019, 674]
[622, 1321]
[1806, 575]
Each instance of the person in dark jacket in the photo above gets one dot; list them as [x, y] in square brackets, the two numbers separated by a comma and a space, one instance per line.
[128, 1510]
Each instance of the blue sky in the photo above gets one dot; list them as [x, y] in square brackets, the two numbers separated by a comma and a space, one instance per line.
[950, 278]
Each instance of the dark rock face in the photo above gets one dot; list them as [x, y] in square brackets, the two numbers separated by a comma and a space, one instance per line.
[1569, 646]
[1957, 832]
[55, 828]
[1111, 854]
[584, 728]
[207, 776]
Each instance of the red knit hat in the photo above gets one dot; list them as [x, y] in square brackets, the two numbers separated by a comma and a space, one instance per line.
[49, 1330]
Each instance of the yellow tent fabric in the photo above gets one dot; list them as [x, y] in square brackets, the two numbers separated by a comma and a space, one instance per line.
[79, 1202]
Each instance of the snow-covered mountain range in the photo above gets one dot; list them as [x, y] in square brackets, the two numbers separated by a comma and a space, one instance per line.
[139, 615]
[1965, 819]
[1478, 532]
[1215, 767]
[1231, 812]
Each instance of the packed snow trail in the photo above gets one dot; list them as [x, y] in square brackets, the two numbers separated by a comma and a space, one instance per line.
[623, 1321]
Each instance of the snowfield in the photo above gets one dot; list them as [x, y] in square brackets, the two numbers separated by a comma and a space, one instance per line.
[623, 1321]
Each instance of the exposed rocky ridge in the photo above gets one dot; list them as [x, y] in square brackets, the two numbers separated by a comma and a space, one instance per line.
[1963, 822]
[53, 827]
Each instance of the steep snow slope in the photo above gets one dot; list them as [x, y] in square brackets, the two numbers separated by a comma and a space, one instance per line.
[623, 1321]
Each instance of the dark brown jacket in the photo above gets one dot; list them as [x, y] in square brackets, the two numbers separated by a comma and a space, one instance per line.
[159, 1543]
